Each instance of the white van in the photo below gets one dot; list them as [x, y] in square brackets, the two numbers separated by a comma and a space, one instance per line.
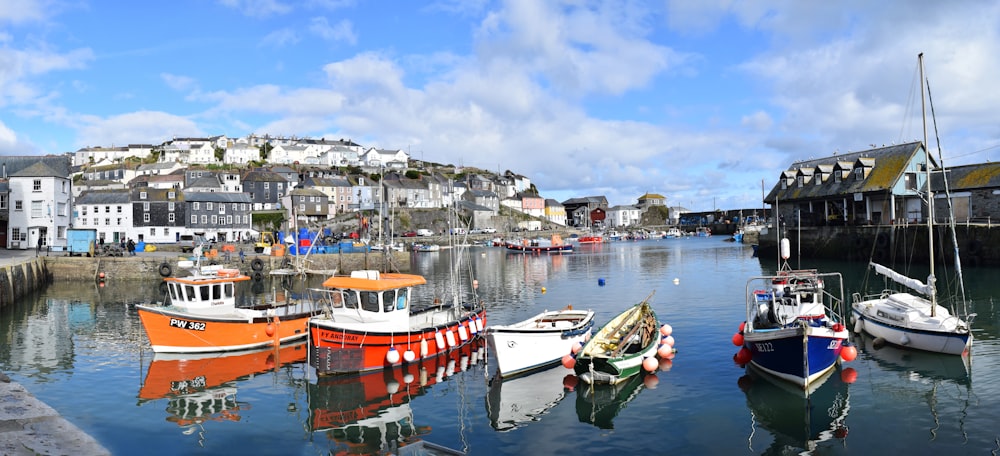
[424, 232]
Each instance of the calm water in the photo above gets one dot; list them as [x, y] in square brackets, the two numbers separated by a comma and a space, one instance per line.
[82, 350]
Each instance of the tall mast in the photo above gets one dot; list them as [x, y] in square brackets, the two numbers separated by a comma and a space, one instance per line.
[930, 193]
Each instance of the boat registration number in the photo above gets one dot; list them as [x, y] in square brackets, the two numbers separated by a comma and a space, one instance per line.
[764, 347]
[184, 324]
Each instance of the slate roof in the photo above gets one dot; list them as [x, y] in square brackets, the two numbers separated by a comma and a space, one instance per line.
[968, 177]
[102, 197]
[887, 167]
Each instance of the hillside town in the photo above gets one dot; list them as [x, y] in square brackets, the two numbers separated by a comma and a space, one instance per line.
[232, 189]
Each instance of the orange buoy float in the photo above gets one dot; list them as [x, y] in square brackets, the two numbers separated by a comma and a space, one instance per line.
[650, 364]
[848, 353]
[568, 361]
[666, 330]
[101, 275]
[738, 339]
[743, 356]
[269, 329]
[669, 340]
[665, 351]
[743, 326]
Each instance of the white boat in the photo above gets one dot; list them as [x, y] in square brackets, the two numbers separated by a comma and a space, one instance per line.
[539, 341]
[674, 232]
[915, 320]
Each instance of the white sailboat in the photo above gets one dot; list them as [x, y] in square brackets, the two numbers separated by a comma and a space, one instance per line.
[914, 320]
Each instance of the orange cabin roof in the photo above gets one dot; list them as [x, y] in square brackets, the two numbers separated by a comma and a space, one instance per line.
[387, 281]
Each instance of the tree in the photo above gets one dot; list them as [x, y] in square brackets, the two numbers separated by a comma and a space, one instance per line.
[265, 150]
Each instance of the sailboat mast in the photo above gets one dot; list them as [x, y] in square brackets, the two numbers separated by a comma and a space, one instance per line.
[930, 193]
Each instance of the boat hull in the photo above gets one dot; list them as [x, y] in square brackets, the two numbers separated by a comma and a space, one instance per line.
[337, 349]
[950, 342]
[538, 342]
[800, 355]
[617, 351]
[171, 331]
[539, 248]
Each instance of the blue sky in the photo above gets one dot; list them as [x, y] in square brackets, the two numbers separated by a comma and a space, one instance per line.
[699, 101]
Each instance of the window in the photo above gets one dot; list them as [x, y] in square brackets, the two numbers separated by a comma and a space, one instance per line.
[204, 219]
[107, 209]
[120, 209]
[194, 219]
[15, 233]
[302, 208]
[222, 208]
[817, 179]
[215, 219]
[910, 181]
[145, 217]
[119, 221]
[170, 206]
[145, 206]
[267, 185]
[170, 217]
[800, 180]
[208, 206]
[171, 195]
[37, 208]
[196, 205]
[142, 195]
[859, 173]
[107, 222]
[369, 301]
[837, 177]
[36, 185]
[229, 220]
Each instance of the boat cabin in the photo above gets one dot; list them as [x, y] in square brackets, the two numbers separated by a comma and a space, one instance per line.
[370, 297]
[790, 298]
[210, 294]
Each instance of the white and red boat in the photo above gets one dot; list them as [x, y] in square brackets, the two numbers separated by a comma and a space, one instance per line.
[369, 322]
[201, 315]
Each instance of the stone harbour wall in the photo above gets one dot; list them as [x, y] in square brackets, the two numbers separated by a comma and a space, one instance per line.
[20, 279]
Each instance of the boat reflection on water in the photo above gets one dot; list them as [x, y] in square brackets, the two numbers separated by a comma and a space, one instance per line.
[943, 381]
[798, 420]
[370, 413]
[515, 401]
[599, 404]
[202, 387]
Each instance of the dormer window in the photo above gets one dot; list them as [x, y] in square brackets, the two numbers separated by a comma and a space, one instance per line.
[801, 180]
[142, 195]
[171, 195]
[859, 173]
[837, 177]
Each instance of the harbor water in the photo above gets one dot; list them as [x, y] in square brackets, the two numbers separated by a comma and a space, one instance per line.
[80, 348]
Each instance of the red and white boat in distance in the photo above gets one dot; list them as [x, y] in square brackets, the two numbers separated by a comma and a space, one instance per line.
[201, 315]
[369, 322]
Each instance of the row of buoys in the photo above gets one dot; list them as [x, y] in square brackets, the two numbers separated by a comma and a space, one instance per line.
[662, 361]
[444, 339]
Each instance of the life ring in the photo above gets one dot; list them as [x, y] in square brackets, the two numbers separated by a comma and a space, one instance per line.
[165, 270]
[258, 276]
[257, 264]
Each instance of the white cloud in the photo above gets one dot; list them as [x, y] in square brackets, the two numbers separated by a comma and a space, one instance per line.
[258, 8]
[18, 11]
[178, 82]
[280, 38]
[342, 31]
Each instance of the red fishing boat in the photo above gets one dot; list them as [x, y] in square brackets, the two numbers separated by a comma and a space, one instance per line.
[202, 316]
[368, 322]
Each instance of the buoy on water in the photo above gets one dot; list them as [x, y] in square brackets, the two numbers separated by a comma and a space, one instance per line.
[666, 330]
[543, 290]
[650, 364]
[848, 353]
[738, 339]
[677, 281]
[743, 356]
[600, 282]
[669, 340]
[665, 351]
[568, 361]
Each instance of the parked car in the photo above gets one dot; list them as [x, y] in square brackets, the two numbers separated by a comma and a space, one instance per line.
[424, 232]
[409, 234]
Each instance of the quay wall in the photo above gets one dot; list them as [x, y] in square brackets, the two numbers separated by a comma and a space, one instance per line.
[978, 245]
[21, 278]
[144, 266]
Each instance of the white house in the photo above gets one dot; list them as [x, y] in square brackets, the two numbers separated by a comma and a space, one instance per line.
[241, 154]
[40, 203]
[108, 212]
[623, 216]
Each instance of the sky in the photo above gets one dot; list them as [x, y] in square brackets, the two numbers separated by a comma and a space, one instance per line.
[702, 102]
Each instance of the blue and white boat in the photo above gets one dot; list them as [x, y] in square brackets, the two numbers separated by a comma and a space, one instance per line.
[794, 328]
